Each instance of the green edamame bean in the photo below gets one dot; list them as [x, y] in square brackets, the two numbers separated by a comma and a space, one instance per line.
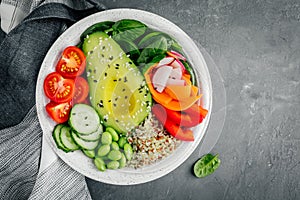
[103, 150]
[128, 151]
[106, 138]
[113, 165]
[122, 161]
[114, 155]
[114, 134]
[89, 153]
[100, 164]
[122, 141]
[115, 146]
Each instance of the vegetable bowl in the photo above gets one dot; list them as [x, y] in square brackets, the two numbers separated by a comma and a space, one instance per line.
[97, 120]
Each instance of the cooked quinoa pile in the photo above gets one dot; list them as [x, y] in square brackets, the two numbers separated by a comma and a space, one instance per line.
[150, 143]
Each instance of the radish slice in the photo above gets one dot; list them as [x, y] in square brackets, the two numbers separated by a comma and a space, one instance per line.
[176, 55]
[165, 61]
[171, 81]
[178, 64]
[160, 77]
[176, 73]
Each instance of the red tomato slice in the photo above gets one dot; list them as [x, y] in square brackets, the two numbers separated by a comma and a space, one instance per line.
[59, 112]
[81, 90]
[57, 88]
[72, 62]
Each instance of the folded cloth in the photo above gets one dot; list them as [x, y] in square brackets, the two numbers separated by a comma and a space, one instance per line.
[21, 54]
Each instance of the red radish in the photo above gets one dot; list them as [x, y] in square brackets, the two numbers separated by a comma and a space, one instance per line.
[165, 61]
[178, 64]
[176, 73]
[160, 77]
[171, 81]
[177, 55]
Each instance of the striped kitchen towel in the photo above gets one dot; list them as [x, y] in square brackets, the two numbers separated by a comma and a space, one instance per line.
[28, 167]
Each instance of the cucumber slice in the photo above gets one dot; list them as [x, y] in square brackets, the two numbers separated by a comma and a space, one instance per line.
[87, 145]
[93, 136]
[66, 140]
[56, 137]
[84, 119]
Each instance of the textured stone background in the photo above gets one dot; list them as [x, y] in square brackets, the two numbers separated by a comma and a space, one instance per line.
[256, 46]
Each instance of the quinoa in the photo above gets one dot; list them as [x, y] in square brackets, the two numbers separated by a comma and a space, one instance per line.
[150, 143]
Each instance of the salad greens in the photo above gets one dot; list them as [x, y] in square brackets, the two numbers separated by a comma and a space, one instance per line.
[143, 44]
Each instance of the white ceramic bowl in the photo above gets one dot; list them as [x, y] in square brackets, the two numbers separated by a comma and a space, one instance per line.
[125, 176]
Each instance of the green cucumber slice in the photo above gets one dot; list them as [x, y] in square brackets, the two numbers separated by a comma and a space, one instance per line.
[66, 140]
[56, 137]
[84, 119]
[87, 145]
[93, 136]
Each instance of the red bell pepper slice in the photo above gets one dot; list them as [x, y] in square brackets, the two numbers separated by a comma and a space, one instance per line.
[171, 127]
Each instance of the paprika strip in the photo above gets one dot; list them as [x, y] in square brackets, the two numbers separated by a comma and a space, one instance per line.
[171, 127]
[183, 118]
[196, 110]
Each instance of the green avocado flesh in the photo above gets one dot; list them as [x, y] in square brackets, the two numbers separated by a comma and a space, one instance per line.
[118, 90]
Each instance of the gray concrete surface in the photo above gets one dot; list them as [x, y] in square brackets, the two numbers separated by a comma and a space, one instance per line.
[256, 45]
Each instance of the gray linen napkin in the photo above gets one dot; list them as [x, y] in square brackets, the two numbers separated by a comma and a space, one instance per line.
[21, 54]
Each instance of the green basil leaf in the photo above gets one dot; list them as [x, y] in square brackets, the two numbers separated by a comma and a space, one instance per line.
[102, 26]
[206, 165]
[148, 39]
[129, 48]
[157, 48]
[128, 29]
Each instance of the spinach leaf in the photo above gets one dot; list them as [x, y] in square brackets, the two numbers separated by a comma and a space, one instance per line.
[128, 29]
[156, 48]
[130, 49]
[156, 35]
[102, 26]
[148, 39]
[206, 165]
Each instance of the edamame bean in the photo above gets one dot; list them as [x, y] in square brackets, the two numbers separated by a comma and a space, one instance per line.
[115, 146]
[106, 138]
[89, 153]
[114, 155]
[128, 151]
[122, 161]
[114, 134]
[113, 165]
[100, 164]
[103, 150]
[122, 141]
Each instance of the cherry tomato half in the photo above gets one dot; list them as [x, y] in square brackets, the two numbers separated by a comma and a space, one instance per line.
[72, 62]
[59, 112]
[81, 90]
[58, 89]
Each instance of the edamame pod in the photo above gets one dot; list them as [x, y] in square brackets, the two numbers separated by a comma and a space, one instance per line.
[114, 155]
[114, 134]
[115, 146]
[113, 165]
[122, 141]
[103, 150]
[100, 164]
[128, 151]
[106, 138]
[122, 161]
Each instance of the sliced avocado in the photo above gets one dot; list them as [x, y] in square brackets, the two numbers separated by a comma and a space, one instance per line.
[117, 88]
